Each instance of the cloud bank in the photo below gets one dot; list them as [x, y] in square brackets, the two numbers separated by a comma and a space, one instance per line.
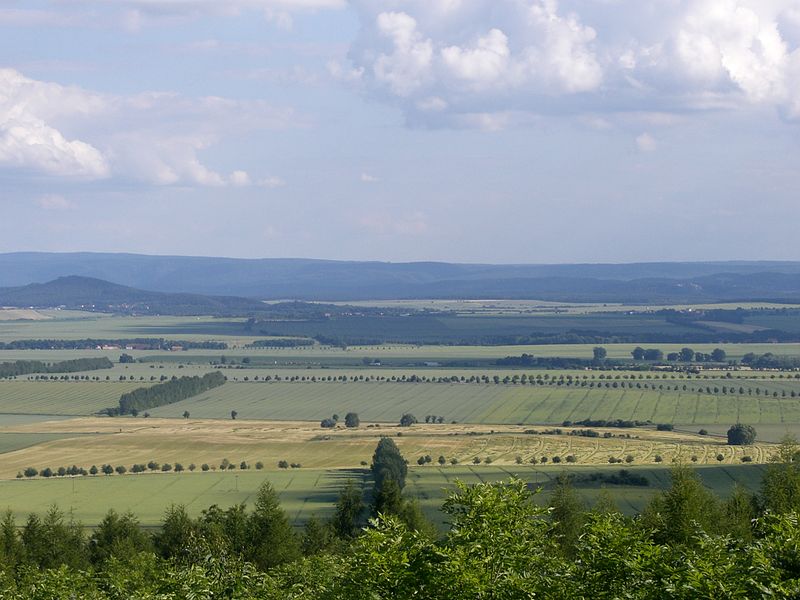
[490, 62]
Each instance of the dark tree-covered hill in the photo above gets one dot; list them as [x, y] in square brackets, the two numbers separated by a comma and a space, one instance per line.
[307, 279]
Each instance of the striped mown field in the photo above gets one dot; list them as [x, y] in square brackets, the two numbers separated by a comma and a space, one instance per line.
[309, 492]
[490, 404]
[65, 398]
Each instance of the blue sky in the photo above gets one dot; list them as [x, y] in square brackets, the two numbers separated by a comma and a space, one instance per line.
[459, 130]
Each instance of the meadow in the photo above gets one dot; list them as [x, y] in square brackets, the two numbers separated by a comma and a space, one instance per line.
[429, 486]
[87, 499]
[309, 492]
[481, 403]
[387, 401]
[60, 398]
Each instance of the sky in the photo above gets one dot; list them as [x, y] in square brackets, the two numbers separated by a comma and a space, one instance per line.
[500, 131]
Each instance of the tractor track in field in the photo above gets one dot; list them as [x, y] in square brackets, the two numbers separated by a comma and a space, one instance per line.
[612, 413]
[638, 403]
[578, 405]
[208, 489]
[545, 398]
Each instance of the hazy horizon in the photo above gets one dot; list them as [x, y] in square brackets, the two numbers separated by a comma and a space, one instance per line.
[731, 261]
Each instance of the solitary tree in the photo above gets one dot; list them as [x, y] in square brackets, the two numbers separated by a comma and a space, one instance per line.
[234, 414]
[741, 435]
[351, 420]
[388, 463]
[599, 353]
[407, 420]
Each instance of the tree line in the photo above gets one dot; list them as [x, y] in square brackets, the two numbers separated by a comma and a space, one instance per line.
[169, 392]
[26, 367]
[92, 344]
[617, 381]
[770, 361]
[502, 541]
[151, 467]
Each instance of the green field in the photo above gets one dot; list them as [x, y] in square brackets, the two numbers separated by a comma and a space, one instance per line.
[460, 402]
[307, 491]
[472, 403]
[429, 484]
[99, 326]
[302, 493]
[60, 398]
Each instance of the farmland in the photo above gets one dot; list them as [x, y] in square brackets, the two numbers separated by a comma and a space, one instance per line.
[281, 394]
[89, 498]
[481, 403]
[429, 484]
[673, 399]
[96, 441]
[60, 398]
[313, 491]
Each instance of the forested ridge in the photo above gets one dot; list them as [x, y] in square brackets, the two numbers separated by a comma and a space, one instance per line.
[500, 543]
[326, 280]
[26, 367]
[174, 390]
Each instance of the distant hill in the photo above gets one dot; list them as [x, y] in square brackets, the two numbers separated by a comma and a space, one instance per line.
[87, 293]
[320, 280]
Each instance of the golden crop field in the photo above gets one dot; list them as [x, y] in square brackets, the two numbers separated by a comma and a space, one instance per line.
[97, 441]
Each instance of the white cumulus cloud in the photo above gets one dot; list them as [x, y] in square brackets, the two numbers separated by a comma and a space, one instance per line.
[29, 140]
[153, 137]
[476, 62]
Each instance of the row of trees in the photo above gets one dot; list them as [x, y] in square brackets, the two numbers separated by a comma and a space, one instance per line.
[92, 344]
[770, 361]
[169, 392]
[26, 367]
[687, 355]
[511, 378]
[152, 466]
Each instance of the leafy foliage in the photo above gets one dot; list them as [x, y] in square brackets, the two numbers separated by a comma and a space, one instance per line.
[169, 392]
[26, 367]
[741, 435]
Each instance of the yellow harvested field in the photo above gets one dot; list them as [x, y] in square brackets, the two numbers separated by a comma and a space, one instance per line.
[127, 441]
